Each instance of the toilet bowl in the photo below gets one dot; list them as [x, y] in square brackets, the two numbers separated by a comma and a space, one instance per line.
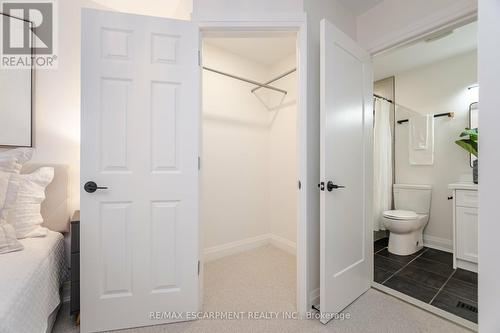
[406, 230]
[407, 221]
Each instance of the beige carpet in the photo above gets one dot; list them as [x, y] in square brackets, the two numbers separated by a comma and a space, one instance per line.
[264, 280]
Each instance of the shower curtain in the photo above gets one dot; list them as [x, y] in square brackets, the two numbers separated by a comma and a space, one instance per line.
[382, 166]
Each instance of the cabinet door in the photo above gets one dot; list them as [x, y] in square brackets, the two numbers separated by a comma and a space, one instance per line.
[467, 233]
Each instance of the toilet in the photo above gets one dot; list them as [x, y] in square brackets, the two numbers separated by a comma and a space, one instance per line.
[406, 223]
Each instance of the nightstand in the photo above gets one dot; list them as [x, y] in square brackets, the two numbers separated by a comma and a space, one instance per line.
[74, 305]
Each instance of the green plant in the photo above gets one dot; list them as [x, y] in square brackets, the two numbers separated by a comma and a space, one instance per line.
[470, 143]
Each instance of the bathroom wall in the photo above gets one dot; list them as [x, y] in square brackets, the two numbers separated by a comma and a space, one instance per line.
[437, 88]
[249, 180]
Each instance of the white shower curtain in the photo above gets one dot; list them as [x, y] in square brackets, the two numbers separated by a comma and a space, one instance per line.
[382, 166]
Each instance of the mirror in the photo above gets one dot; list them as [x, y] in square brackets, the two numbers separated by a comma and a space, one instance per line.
[16, 93]
[473, 123]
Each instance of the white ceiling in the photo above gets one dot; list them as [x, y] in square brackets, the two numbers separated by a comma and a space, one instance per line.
[463, 39]
[265, 49]
[359, 6]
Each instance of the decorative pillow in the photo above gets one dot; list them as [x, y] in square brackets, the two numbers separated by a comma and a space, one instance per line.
[12, 160]
[10, 198]
[25, 217]
[8, 241]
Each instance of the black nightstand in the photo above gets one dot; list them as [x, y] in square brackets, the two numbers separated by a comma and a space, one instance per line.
[74, 305]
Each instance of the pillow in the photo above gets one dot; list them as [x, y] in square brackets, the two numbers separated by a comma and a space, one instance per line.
[8, 241]
[10, 198]
[25, 216]
[4, 183]
[12, 160]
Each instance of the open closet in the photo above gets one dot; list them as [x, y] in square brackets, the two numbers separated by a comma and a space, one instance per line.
[249, 171]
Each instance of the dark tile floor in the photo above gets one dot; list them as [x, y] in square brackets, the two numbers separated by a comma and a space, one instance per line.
[428, 276]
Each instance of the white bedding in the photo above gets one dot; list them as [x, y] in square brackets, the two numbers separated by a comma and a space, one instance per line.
[29, 284]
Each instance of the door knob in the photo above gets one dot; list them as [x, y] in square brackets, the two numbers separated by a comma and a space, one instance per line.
[331, 186]
[91, 187]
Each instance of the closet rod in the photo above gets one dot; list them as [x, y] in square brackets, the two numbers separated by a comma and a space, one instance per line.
[262, 85]
[277, 78]
[447, 114]
[385, 99]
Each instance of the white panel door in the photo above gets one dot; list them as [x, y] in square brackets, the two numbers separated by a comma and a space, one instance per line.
[139, 138]
[346, 171]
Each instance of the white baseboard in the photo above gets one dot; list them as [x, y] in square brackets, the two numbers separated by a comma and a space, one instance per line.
[283, 243]
[220, 251]
[438, 243]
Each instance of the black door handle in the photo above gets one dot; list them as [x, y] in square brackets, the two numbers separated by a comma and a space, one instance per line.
[91, 187]
[331, 186]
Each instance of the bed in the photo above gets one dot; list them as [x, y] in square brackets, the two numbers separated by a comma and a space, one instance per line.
[31, 279]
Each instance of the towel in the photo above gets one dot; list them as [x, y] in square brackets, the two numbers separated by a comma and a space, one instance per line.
[421, 139]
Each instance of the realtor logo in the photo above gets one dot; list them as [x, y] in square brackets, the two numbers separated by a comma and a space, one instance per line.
[28, 31]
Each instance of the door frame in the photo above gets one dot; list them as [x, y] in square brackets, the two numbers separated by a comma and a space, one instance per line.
[449, 19]
[461, 13]
[298, 24]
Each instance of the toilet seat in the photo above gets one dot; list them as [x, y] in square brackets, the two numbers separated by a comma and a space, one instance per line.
[399, 214]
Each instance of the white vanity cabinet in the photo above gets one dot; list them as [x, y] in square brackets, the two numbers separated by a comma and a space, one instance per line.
[465, 225]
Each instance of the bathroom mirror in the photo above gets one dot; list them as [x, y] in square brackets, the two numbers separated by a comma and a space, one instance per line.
[473, 123]
[16, 101]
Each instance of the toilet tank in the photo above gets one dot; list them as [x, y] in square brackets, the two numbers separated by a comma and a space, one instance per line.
[412, 197]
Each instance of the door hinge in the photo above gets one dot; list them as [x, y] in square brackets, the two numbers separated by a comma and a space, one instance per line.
[198, 267]
[199, 163]
[300, 185]
[199, 58]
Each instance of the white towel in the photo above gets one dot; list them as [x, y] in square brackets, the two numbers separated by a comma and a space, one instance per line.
[421, 139]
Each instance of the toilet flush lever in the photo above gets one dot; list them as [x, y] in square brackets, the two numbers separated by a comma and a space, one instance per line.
[331, 186]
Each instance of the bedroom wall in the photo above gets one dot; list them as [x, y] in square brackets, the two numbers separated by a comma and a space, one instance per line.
[210, 9]
[234, 191]
[437, 88]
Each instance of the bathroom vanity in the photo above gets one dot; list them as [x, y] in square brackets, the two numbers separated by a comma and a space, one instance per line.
[465, 225]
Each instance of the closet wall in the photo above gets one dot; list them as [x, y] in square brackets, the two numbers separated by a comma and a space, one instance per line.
[248, 182]
[234, 195]
[283, 157]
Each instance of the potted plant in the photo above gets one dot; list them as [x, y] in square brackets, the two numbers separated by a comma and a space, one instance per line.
[469, 143]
